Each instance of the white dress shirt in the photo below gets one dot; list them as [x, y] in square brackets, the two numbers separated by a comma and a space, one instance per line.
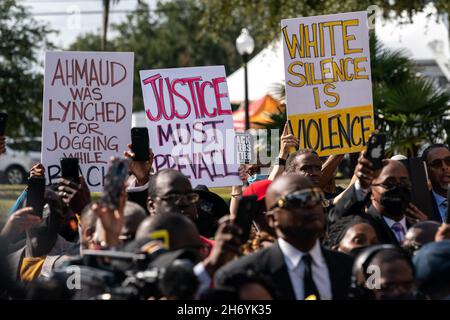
[296, 269]
[391, 222]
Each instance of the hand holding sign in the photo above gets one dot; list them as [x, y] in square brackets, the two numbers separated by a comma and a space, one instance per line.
[288, 141]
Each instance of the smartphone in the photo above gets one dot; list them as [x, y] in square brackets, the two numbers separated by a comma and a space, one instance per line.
[70, 169]
[114, 181]
[35, 195]
[447, 219]
[376, 150]
[140, 143]
[3, 118]
[247, 208]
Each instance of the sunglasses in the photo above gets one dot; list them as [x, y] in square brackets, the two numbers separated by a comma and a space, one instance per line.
[300, 199]
[178, 199]
[439, 163]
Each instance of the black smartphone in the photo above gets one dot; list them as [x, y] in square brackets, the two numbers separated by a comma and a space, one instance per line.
[376, 150]
[247, 208]
[114, 181]
[70, 169]
[35, 195]
[140, 143]
[3, 118]
[447, 220]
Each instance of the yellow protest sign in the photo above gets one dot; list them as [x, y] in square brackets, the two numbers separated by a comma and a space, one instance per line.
[328, 81]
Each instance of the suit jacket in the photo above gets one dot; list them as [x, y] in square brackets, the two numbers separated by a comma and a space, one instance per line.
[270, 261]
[435, 214]
[349, 205]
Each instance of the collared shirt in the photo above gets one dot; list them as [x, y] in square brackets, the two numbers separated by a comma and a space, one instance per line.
[441, 204]
[391, 222]
[132, 185]
[296, 269]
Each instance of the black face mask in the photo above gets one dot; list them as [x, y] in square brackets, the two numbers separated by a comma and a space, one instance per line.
[396, 201]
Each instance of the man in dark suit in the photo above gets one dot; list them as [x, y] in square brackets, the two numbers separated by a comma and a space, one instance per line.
[386, 193]
[298, 265]
[437, 158]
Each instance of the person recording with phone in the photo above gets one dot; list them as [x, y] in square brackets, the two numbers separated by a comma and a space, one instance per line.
[385, 192]
[43, 248]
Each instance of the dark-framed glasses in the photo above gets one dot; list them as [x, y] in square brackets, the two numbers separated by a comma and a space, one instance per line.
[439, 163]
[177, 199]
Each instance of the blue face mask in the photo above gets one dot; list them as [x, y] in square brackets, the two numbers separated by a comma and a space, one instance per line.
[257, 177]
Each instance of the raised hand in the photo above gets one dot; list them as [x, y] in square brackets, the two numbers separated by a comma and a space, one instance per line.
[140, 169]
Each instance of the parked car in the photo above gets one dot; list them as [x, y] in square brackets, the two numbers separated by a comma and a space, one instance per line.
[20, 156]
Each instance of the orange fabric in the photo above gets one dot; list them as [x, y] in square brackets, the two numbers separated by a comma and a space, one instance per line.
[259, 111]
[31, 268]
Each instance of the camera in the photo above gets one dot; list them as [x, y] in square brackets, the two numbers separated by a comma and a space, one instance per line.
[116, 275]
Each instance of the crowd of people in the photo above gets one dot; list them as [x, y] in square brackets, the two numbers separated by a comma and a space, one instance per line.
[309, 239]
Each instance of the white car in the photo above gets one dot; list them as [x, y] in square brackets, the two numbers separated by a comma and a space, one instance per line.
[20, 156]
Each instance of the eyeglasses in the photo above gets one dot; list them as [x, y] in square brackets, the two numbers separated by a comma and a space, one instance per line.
[439, 163]
[178, 199]
[389, 185]
[300, 199]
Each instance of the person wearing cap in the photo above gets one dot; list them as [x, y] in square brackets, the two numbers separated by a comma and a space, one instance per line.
[259, 189]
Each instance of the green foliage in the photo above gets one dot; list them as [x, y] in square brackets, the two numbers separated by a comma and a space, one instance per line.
[21, 40]
[168, 37]
[262, 17]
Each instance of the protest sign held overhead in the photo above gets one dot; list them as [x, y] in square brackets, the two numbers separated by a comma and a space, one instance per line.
[87, 111]
[190, 125]
[328, 81]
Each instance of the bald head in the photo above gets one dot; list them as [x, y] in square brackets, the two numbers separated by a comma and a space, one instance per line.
[167, 191]
[165, 177]
[284, 185]
[299, 220]
[182, 231]
[421, 233]
[393, 168]
[391, 190]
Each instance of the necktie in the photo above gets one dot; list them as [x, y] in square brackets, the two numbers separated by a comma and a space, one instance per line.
[399, 231]
[309, 287]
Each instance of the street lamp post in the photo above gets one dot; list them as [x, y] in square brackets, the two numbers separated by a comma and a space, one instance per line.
[245, 45]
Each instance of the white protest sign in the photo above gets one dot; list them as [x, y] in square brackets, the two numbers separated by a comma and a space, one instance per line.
[328, 81]
[87, 111]
[244, 147]
[190, 124]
